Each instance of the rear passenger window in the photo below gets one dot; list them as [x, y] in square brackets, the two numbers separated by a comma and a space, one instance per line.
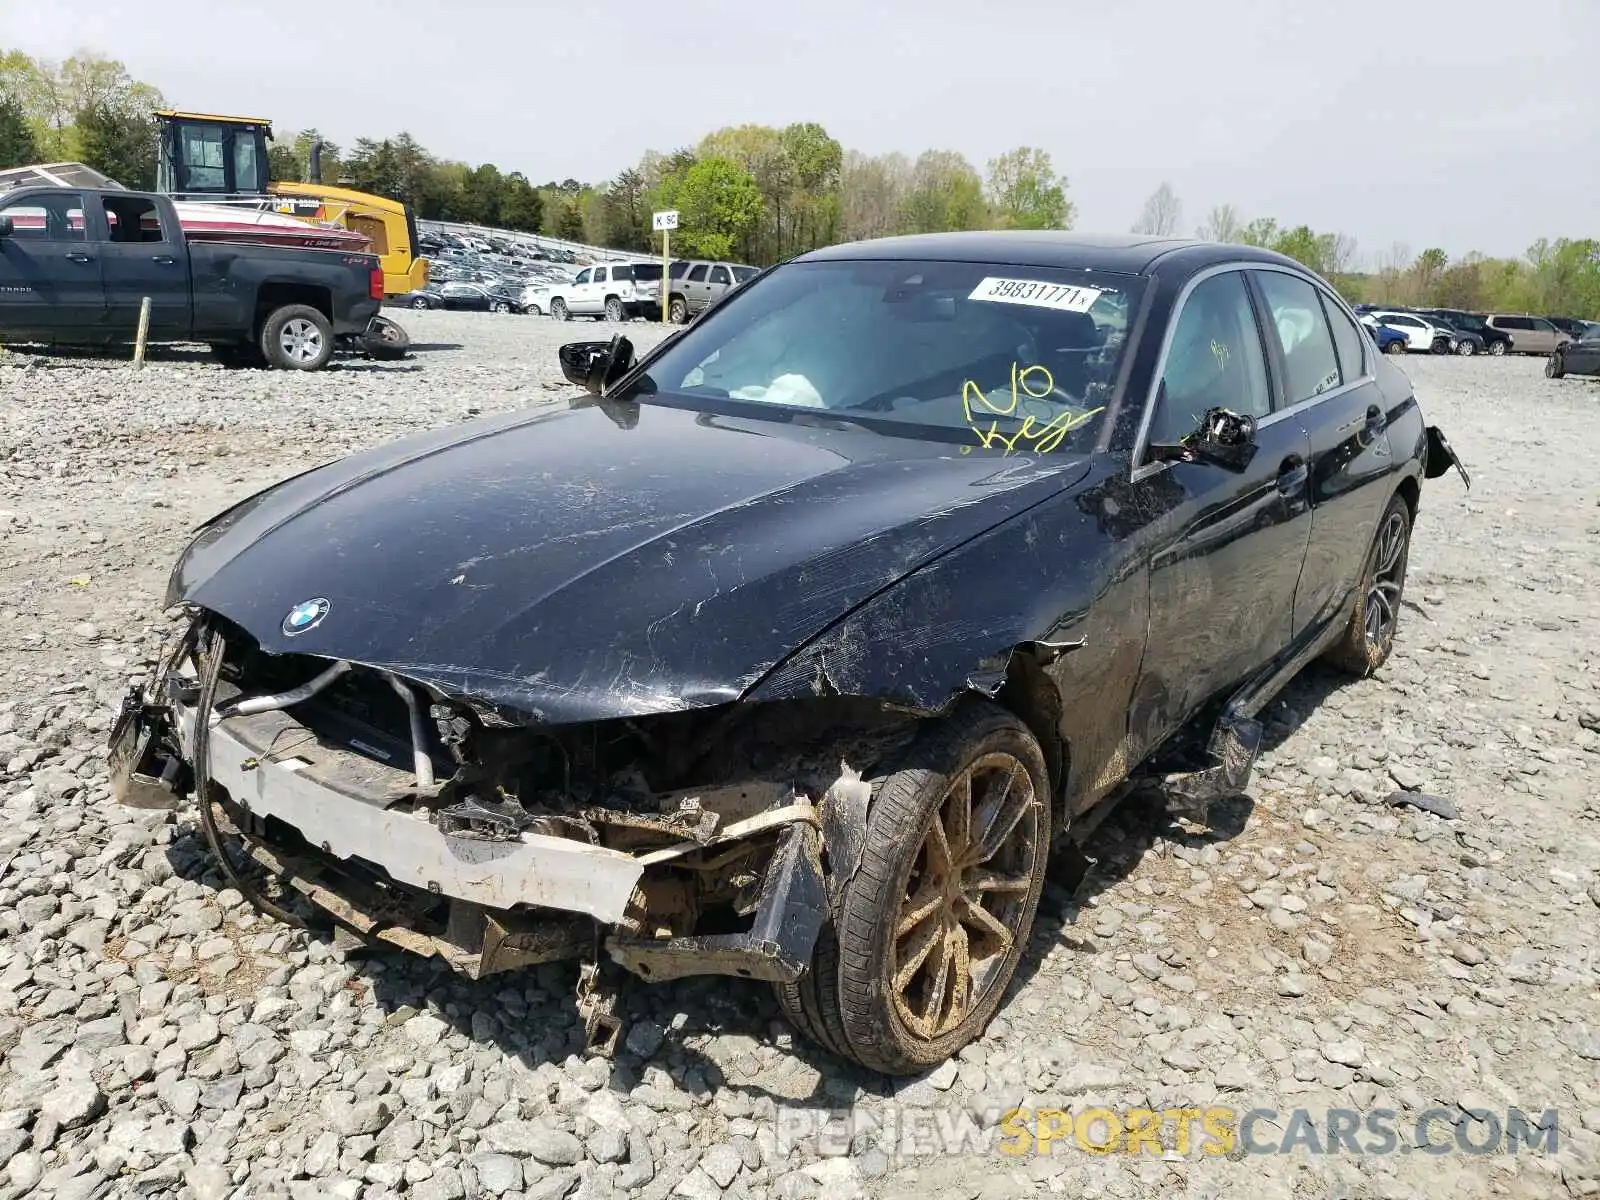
[132, 219]
[1295, 315]
[697, 274]
[1347, 341]
[1215, 360]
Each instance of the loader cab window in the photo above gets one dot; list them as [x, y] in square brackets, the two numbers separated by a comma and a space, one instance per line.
[203, 165]
[249, 161]
[203, 156]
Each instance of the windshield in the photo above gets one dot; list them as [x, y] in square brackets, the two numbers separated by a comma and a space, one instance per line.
[740, 274]
[1003, 357]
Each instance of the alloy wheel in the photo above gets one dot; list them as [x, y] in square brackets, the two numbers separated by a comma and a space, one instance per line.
[300, 340]
[1498, 349]
[1382, 610]
[966, 897]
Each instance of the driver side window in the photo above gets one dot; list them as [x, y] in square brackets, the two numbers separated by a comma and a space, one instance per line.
[1215, 360]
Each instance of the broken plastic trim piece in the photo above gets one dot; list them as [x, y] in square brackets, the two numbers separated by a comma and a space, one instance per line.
[804, 811]
[777, 947]
[1442, 456]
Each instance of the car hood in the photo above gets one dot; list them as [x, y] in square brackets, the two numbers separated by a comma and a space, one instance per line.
[598, 560]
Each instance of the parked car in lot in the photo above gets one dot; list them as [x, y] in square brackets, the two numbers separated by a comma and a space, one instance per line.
[1573, 327]
[473, 297]
[982, 548]
[1491, 340]
[605, 291]
[698, 283]
[76, 265]
[427, 297]
[1464, 342]
[1581, 357]
[1425, 334]
[1529, 334]
[1390, 341]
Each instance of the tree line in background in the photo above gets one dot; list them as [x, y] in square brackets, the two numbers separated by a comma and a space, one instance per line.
[761, 194]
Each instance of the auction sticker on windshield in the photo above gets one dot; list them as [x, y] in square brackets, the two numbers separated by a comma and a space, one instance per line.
[1040, 295]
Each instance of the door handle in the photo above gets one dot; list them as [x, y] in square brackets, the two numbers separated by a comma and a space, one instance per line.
[78, 256]
[1375, 424]
[1292, 476]
[165, 260]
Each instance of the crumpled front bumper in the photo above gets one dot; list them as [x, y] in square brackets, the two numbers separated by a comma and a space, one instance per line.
[509, 902]
[548, 872]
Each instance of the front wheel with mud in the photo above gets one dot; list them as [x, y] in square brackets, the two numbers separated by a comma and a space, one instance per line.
[927, 932]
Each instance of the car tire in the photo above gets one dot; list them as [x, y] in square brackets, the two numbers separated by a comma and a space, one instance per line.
[614, 309]
[1465, 348]
[852, 1000]
[559, 309]
[297, 337]
[419, 303]
[535, 311]
[1498, 349]
[1399, 347]
[678, 311]
[498, 306]
[1554, 366]
[1368, 638]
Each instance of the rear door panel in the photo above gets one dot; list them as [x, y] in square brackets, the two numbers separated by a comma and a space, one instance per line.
[1347, 427]
[145, 260]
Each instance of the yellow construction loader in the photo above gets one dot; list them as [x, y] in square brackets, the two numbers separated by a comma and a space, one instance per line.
[222, 159]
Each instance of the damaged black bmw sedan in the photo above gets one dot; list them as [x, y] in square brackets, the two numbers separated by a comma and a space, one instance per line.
[793, 647]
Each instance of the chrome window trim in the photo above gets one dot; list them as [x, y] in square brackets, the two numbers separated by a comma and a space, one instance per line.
[1140, 470]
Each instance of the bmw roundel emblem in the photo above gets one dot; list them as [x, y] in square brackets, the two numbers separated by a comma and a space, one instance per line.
[305, 616]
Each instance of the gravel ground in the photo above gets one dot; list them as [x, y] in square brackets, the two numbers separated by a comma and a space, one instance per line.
[1315, 948]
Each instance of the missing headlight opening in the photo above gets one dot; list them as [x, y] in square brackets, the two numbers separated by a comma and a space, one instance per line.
[684, 844]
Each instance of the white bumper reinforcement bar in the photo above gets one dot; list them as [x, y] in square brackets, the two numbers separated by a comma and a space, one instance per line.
[537, 869]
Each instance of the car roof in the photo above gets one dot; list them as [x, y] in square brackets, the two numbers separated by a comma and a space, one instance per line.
[1131, 254]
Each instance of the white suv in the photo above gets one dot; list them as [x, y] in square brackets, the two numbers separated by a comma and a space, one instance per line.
[609, 291]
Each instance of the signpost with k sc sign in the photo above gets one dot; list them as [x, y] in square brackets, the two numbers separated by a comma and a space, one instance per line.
[665, 223]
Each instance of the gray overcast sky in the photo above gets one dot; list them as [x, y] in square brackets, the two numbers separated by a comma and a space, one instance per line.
[1470, 126]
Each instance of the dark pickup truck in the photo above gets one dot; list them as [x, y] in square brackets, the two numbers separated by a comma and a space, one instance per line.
[76, 264]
